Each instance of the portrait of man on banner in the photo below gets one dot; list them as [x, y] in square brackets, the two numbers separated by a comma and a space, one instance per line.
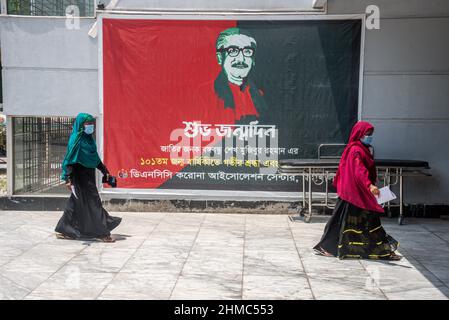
[233, 94]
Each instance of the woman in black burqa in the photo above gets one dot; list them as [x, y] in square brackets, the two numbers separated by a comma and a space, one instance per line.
[84, 215]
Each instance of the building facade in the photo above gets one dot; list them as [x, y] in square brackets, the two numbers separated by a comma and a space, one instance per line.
[50, 74]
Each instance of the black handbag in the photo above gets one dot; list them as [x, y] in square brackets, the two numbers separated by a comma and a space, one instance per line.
[110, 180]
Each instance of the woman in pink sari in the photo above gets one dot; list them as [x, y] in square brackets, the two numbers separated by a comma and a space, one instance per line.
[355, 229]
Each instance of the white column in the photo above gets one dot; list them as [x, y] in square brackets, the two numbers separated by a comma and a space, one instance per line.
[3, 10]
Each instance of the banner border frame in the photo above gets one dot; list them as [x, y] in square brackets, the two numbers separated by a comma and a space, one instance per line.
[202, 194]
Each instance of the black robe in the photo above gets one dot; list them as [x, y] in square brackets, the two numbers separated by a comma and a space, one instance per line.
[353, 232]
[84, 215]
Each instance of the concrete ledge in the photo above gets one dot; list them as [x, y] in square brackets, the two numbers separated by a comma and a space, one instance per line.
[57, 203]
[26, 203]
[32, 203]
[213, 206]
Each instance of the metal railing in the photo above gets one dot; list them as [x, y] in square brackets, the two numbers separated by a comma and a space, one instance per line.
[2, 140]
[336, 150]
[39, 148]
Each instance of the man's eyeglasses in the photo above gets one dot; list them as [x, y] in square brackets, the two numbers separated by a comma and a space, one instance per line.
[234, 51]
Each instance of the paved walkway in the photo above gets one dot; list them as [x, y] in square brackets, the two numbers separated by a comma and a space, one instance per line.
[213, 256]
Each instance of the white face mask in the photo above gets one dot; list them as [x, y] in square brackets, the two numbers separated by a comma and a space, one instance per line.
[89, 128]
[367, 140]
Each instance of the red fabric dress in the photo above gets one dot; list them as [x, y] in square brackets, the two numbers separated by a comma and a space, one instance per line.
[357, 171]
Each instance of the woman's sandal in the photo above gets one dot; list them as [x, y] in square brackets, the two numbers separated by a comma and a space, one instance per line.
[323, 252]
[63, 236]
[394, 257]
[107, 239]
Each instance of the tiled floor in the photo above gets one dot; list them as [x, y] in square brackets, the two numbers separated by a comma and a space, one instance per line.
[213, 256]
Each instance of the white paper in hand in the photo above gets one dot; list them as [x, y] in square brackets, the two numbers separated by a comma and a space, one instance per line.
[385, 195]
[73, 191]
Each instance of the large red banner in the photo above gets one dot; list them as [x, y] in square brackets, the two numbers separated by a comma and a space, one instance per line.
[214, 104]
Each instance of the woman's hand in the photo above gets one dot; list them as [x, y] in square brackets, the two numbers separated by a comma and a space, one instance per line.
[105, 178]
[374, 190]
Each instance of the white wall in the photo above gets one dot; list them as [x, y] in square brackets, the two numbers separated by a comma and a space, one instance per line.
[47, 68]
[406, 87]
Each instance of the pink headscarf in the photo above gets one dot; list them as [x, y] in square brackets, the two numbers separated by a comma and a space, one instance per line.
[357, 171]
